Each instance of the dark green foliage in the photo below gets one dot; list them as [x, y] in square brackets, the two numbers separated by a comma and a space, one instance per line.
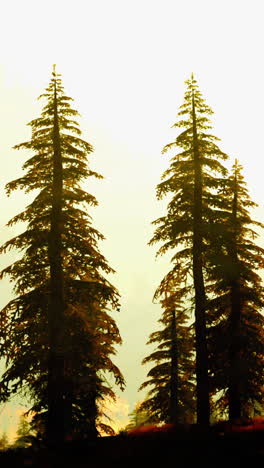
[90, 333]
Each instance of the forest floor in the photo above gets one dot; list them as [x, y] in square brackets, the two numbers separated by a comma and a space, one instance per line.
[179, 448]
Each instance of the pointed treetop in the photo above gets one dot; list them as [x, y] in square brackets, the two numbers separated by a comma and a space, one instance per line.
[237, 168]
[56, 76]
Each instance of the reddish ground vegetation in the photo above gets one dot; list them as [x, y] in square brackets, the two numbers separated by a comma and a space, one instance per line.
[177, 445]
[226, 427]
[240, 425]
[151, 428]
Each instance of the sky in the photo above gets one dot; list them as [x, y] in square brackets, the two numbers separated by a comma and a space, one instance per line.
[125, 63]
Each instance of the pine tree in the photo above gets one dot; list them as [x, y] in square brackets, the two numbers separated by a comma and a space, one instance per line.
[137, 418]
[236, 334]
[4, 442]
[192, 179]
[24, 433]
[170, 399]
[57, 335]
[56, 427]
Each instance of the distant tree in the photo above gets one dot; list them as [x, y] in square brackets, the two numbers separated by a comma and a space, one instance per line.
[138, 417]
[4, 444]
[192, 178]
[170, 399]
[23, 428]
[236, 332]
[57, 335]
[24, 433]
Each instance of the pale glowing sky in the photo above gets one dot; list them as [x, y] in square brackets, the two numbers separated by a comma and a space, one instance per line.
[125, 63]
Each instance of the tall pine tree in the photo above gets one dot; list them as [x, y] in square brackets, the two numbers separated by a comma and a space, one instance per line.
[57, 335]
[192, 178]
[170, 399]
[236, 332]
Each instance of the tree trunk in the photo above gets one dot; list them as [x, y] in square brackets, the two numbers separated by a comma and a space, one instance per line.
[234, 355]
[56, 413]
[234, 329]
[203, 406]
[174, 394]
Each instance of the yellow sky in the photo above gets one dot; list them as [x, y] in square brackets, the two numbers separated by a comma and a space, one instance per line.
[124, 63]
